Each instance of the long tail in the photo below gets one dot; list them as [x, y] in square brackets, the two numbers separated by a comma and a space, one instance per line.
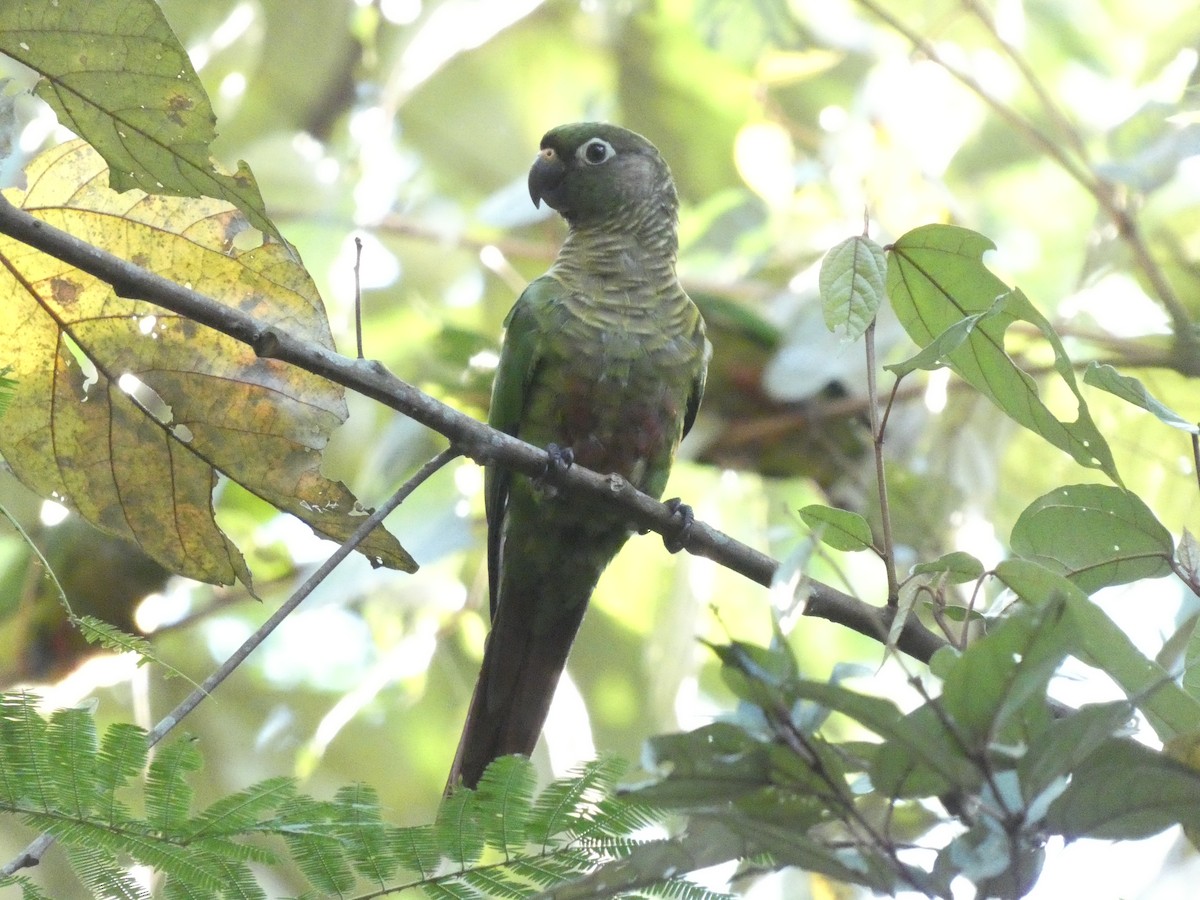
[522, 663]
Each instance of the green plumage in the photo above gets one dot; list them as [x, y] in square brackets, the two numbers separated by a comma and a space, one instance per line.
[605, 355]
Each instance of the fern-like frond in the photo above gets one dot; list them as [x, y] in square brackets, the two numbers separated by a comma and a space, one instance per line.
[562, 807]
[168, 795]
[505, 798]
[101, 875]
[242, 811]
[113, 639]
[121, 757]
[457, 829]
[8, 387]
[72, 765]
[307, 829]
[416, 850]
[29, 890]
[360, 825]
[26, 752]
[499, 841]
[680, 889]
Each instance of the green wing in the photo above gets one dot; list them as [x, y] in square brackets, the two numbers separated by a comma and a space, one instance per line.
[697, 392]
[520, 356]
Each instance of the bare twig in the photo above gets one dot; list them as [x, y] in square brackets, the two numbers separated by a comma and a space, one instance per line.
[311, 583]
[1065, 126]
[358, 295]
[877, 436]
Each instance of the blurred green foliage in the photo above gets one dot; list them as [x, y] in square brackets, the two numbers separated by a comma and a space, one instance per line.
[412, 124]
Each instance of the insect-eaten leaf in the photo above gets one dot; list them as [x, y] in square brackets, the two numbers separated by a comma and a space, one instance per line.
[851, 284]
[154, 123]
[934, 355]
[935, 279]
[126, 412]
[1096, 535]
[839, 528]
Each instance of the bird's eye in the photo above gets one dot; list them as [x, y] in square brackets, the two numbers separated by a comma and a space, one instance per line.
[596, 151]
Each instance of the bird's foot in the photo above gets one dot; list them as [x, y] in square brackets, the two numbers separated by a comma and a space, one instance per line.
[687, 518]
[558, 460]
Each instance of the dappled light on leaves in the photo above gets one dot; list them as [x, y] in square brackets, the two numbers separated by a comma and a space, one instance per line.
[137, 445]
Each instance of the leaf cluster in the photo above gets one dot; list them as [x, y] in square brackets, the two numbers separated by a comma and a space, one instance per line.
[850, 785]
[59, 778]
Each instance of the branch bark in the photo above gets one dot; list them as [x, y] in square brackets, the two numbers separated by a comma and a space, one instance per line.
[471, 437]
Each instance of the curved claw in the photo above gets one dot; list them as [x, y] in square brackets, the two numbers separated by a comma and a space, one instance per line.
[558, 460]
[676, 542]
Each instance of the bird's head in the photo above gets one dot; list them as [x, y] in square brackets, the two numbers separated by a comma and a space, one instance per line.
[590, 172]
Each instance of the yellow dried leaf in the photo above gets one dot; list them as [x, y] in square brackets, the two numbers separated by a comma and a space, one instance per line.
[126, 412]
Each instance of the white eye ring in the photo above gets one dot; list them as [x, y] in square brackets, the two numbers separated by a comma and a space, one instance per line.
[595, 152]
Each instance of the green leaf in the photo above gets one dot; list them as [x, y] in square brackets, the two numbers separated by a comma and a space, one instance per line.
[839, 528]
[1034, 582]
[919, 757]
[1065, 743]
[117, 76]
[506, 796]
[1187, 555]
[707, 767]
[1096, 535]
[958, 567]
[934, 355]
[1126, 791]
[1008, 670]
[1128, 388]
[122, 756]
[1101, 643]
[1097, 641]
[936, 278]
[168, 795]
[852, 284]
[72, 735]
[361, 828]
[855, 865]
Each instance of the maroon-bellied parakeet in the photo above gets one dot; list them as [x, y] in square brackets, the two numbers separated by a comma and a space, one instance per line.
[604, 356]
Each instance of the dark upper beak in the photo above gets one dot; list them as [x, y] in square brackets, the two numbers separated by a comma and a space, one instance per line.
[545, 177]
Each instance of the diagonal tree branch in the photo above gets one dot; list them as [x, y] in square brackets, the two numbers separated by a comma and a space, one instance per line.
[469, 436]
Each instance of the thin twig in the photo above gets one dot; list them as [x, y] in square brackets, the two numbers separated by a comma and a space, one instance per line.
[311, 583]
[358, 295]
[1105, 194]
[877, 436]
[1066, 127]
[33, 853]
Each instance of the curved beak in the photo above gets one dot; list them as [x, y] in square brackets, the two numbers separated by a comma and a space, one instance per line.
[545, 177]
